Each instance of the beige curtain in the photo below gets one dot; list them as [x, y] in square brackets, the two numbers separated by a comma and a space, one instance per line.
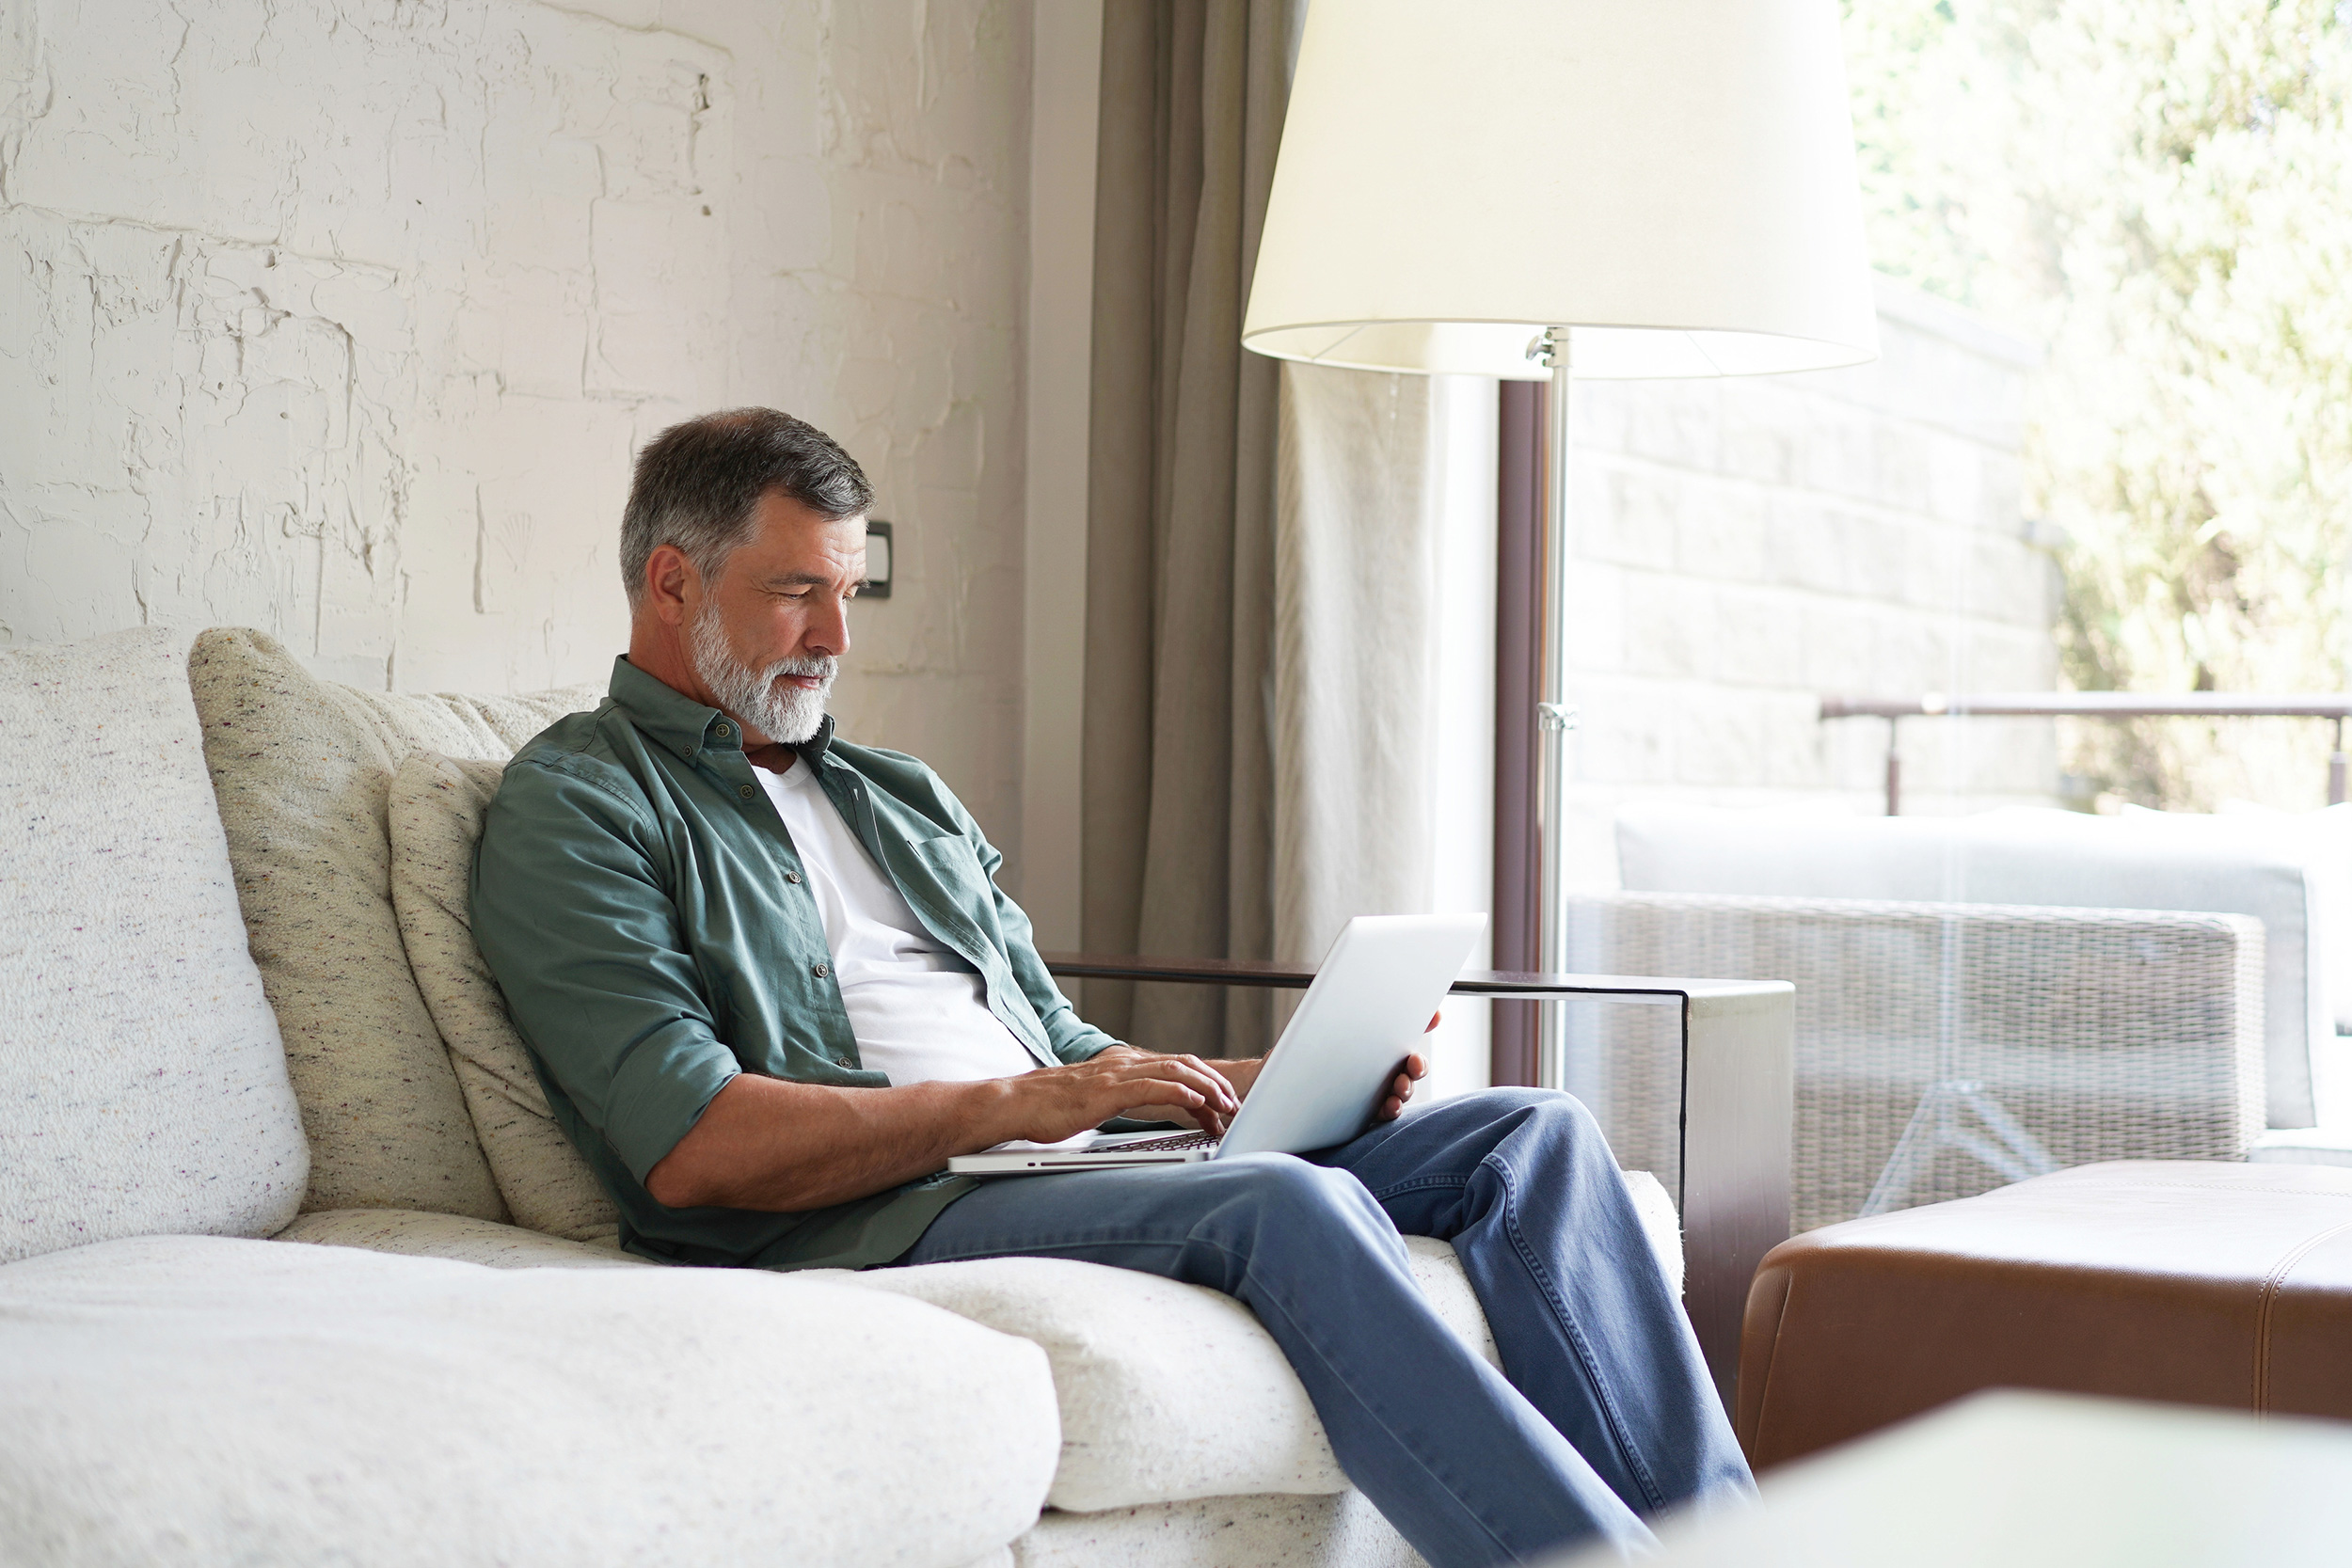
[1180, 573]
[1357, 547]
[1384, 664]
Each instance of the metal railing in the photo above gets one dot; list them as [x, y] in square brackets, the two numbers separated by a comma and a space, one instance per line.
[2090, 705]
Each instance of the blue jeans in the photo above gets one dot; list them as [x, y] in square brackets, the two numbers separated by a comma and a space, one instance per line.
[1603, 1411]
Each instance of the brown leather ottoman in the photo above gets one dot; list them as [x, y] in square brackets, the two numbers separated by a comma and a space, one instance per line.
[2198, 1284]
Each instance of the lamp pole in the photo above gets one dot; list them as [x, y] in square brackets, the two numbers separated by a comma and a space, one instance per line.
[1554, 718]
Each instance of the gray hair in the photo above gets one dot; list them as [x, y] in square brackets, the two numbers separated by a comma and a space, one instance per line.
[698, 486]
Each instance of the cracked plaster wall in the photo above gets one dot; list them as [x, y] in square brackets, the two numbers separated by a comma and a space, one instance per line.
[343, 320]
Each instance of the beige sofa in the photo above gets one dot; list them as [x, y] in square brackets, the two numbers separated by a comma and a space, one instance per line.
[222, 883]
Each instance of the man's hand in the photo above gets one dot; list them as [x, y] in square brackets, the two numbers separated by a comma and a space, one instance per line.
[1410, 1071]
[1242, 1073]
[1053, 1103]
[1239, 1074]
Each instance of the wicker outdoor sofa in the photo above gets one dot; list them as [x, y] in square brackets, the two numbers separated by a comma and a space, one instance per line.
[2005, 1040]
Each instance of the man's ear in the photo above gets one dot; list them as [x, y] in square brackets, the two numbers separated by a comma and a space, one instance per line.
[670, 580]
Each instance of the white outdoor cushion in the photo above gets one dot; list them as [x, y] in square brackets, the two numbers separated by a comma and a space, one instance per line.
[190, 1400]
[142, 1086]
[2325, 836]
[301, 767]
[2303, 1146]
[457, 1237]
[2018, 856]
[436, 806]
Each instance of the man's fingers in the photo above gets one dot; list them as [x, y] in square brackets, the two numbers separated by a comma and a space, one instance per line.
[1207, 1089]
[1434, 1018]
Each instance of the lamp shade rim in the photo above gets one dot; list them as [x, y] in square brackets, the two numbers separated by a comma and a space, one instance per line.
[1676, 352]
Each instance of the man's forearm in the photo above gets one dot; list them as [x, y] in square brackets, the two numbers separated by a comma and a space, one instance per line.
[772, 1145]
[768, 1144]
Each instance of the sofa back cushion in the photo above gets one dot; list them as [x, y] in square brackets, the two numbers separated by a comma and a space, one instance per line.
[302, 768]
[2022, 856]
[142, 1087]
[436, 808]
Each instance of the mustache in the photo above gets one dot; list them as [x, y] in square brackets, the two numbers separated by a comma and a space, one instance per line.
[822, 666]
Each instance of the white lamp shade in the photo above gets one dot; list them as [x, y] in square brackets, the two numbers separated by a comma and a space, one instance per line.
[1671, 179]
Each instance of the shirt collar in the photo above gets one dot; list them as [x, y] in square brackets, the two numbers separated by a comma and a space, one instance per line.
[686, 726]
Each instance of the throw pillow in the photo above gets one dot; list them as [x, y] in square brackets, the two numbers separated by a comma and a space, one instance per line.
[142, 1086]
[436, 808]
[302, 767]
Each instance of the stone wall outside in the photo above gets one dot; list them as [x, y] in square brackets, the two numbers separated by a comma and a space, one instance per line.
[1744, 545]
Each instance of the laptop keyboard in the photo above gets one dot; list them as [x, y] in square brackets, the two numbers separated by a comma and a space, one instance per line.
[1174, 1141]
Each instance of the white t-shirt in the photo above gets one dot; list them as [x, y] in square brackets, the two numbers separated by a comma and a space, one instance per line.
[916, 1011]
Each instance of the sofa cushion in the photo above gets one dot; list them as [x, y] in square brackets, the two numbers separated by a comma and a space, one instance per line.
[1168, 1391]
[192, 1400]
[1336, 1530]
[1173, 1391]
[1659, 1223]
[2025, 856]
[142, 1086]
[459, 1238]
[436, 805]
[301, 767]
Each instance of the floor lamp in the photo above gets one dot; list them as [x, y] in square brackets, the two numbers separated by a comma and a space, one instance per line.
[1527, 188]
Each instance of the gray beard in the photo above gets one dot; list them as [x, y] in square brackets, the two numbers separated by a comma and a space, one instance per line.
[786, 714]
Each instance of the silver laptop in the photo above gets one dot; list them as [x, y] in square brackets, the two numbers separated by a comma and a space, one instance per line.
[1367, 1008]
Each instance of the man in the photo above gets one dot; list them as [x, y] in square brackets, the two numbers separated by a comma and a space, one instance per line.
[770, 988]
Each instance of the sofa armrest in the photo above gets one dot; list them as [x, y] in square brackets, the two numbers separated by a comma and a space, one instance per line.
[1737, 1086]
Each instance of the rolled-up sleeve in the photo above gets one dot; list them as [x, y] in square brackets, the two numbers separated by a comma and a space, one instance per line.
[584, 943]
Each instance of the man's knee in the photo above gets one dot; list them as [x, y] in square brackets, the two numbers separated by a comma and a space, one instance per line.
[1284, 1189]
[1513, 1113]
[1518, 1103]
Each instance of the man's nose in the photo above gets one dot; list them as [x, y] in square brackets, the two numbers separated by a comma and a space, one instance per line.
[829, 631]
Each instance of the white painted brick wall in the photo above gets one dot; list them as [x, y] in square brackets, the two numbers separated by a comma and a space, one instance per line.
[342, 318]
[1746, 546]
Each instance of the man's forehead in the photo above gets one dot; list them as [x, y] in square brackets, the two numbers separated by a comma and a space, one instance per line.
[800, 551]
[787, 526]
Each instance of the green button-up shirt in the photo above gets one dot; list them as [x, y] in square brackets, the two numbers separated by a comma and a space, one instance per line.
[646, 916]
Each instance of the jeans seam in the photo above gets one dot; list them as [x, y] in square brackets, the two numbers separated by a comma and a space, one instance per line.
[1605, 1395]
[1419, 1183]
[1027, 1247]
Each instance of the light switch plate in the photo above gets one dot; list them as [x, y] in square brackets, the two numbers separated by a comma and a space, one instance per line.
[876, 585]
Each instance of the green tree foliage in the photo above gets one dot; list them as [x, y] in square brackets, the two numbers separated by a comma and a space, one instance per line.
[2160, 191]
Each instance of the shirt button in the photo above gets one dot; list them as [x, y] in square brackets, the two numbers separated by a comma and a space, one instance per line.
[792, 877]
[721, 731]
[747, 791]
[820, 971]
[841, 1061]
